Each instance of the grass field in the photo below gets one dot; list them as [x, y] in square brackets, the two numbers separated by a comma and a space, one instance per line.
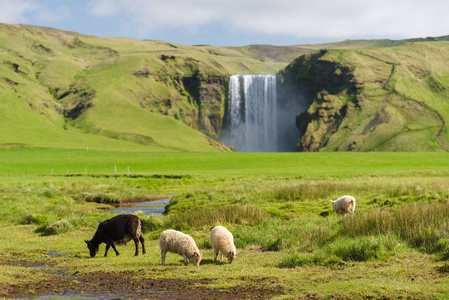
[289, 241]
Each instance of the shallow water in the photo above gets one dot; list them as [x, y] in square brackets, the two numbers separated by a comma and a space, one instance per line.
[148, 207]
[54, 253]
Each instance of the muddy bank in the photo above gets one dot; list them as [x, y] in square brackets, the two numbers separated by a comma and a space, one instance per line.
[129, 285]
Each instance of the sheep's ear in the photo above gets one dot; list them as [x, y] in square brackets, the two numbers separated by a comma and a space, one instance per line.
[87, 242]
[196, 254]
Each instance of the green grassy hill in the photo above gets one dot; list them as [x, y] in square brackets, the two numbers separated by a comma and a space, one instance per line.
[66, 90]
[374, 99]
[62, 89]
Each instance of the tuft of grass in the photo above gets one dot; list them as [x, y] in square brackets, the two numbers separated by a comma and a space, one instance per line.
[302, 234]
[359, 249]
[211, 216]
[424, 226]
[57, 227]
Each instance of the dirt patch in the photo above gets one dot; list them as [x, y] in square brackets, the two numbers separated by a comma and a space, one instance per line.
[130, 285]
[381, 117]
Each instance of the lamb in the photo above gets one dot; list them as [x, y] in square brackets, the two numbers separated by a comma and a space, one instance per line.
[183, 244]
[343, 205]
[119, 229]
[222, 241]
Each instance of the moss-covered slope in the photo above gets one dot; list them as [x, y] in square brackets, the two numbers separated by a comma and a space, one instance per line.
[67, 90]
[374, 99]
[64, 89]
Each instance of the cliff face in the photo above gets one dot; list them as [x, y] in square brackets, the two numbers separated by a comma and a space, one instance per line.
[147, 93]
[209, 95]
[330, 88]
[358, 101]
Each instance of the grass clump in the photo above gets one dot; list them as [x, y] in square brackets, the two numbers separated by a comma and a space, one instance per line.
[424, 226]
[302, 234]
[106, 198]
[359, 249]
[210, 216]
[57, 227]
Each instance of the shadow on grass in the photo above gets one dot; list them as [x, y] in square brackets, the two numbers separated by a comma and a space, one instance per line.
[211, 262]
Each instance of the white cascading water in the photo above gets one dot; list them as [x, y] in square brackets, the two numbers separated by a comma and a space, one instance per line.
[252, 111]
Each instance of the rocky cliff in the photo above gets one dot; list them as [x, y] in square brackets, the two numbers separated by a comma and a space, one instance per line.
[372, 99]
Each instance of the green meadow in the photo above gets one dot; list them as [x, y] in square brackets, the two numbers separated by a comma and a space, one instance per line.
[289, 241]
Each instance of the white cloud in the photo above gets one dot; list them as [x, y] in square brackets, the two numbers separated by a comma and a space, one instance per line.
[25, 11]
[54, 15]
[106, 8]
[13, 11]
[298, 18]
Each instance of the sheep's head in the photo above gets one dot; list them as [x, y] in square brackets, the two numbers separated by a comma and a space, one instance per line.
[92, 248]
[231, 256]
[197, 258]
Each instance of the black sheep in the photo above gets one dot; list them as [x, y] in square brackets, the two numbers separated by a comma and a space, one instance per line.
[120, 230]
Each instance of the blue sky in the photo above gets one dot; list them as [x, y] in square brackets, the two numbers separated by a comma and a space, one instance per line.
[236, 22]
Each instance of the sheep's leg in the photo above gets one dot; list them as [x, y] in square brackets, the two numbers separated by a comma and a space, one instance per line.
[106, 252]
[142, 240]
[221, 255]
[215, 254]
[111, 243]
[186, 260]
[163, 253]
[136, 242]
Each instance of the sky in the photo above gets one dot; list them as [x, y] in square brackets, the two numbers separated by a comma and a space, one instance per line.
[236, 22]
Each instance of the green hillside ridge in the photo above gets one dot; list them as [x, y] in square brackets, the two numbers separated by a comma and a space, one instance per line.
[374, 99]
[67, 90]
[64, 89]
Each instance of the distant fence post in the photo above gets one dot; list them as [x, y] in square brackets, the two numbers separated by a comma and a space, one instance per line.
[115, 169]
[85, 170]
[51, 172]
[128, 170]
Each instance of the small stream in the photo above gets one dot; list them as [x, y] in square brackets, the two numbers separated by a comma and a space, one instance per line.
[156, 207]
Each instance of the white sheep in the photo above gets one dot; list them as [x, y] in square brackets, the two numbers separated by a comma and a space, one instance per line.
[222, 241]
[183, 244]
[344, 205]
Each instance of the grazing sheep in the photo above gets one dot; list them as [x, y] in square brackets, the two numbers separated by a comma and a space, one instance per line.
[120, 230]
[222, 241]
[344, 205]
[183, 244]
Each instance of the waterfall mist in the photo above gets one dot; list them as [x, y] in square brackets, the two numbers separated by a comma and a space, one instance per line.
[256, 119]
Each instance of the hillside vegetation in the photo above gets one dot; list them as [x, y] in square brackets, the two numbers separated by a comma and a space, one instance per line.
[374, 99]
[62, 89]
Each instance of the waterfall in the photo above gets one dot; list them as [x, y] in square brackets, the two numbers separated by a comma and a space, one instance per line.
[252, 113]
